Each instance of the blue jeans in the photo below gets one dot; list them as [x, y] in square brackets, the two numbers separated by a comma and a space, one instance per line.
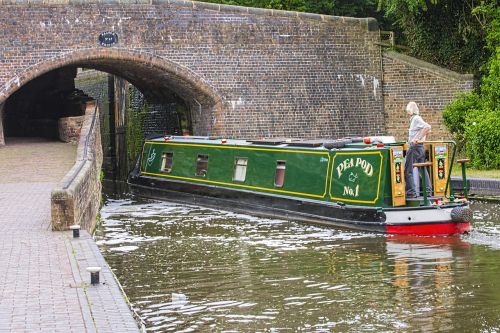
[415, 154]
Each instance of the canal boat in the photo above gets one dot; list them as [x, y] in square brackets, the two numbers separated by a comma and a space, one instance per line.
[356, 183]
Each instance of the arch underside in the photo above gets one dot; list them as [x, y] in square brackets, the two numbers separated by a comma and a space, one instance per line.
[155, 77]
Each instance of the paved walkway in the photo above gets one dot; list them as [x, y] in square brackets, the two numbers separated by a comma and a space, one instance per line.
[43, 283]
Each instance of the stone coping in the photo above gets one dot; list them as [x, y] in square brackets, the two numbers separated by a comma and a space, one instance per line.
[90, 75]
[369, 23]
[431, 68]
[76, 199]
[105, 305]
[84, 153]
[478, 186]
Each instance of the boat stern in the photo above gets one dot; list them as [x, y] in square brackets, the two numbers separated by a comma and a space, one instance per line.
[430, 220]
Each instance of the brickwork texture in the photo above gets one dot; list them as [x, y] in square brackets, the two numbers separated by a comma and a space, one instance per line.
[69, 128]
[431, 87]
[244, 72]
[77, 197]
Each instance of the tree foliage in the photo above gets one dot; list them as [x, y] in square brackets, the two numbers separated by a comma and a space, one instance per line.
[449, 33]
[474, 118]
[356, 8]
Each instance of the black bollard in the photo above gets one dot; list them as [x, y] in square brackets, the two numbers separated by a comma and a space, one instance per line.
[76, 230]
[94, 274]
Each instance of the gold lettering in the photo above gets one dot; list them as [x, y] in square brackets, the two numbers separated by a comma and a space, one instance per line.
[350, 191]
[339, 169]
[348, 163]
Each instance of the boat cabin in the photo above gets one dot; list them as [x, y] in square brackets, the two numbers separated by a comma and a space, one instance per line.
[352, 171]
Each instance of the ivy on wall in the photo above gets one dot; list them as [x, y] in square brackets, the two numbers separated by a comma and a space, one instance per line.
[135, 119]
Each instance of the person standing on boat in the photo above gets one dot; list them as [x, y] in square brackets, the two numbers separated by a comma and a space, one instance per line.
[417, 133]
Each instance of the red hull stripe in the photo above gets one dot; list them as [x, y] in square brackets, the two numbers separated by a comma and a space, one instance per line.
[429, 229]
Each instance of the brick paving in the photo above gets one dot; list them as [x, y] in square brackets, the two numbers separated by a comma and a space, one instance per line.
[44, 286]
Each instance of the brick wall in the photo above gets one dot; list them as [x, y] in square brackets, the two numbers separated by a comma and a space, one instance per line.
[70, 128]
[431, 87]
[243, 72]
[96, 85]
[77, 198]
[161, 119]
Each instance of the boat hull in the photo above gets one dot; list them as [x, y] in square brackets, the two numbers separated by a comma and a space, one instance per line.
[435, 221]
[443, 228]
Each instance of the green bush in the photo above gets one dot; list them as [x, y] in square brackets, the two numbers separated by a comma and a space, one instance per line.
[447, 33]
[474, 118]
[455, 114]
[490, 84]
[483, 139]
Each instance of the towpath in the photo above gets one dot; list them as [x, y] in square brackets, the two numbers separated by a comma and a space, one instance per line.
[43, 283]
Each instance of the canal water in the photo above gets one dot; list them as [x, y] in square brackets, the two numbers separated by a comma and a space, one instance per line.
[193, 269]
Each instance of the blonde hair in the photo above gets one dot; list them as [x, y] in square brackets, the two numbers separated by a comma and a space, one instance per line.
[412, 107]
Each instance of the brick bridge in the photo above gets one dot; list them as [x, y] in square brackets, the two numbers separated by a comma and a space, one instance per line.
[243, 72]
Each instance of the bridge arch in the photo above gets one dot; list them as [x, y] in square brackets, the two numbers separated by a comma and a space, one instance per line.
[275, 73]
[151, 74]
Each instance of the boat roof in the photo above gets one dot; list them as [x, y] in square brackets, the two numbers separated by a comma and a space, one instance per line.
[266, 142]
[285, 143]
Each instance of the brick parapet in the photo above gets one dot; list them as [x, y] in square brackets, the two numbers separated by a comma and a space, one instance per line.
[368, 23]
[489, 187]
[432, 69]
[77, 198]
[431, 87]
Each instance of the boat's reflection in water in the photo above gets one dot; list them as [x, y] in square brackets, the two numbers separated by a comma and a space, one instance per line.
[427, 249]
[424, 273]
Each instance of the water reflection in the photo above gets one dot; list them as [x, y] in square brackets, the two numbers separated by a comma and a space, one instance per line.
[195, 269]
[424, 274]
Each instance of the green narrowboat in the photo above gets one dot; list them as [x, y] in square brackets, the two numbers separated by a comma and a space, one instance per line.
[350, 182]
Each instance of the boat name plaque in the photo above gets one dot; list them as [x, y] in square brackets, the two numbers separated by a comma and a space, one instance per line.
[356, 177]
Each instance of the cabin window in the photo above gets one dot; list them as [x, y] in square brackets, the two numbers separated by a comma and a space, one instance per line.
[166, 162]
[240, 169]
[202, 165]
[279, 180]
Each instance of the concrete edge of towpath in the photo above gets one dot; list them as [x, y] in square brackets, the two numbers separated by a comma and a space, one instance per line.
[487, 187]
[104, 306]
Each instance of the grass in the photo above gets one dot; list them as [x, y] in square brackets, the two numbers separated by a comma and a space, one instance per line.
[475, 173]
